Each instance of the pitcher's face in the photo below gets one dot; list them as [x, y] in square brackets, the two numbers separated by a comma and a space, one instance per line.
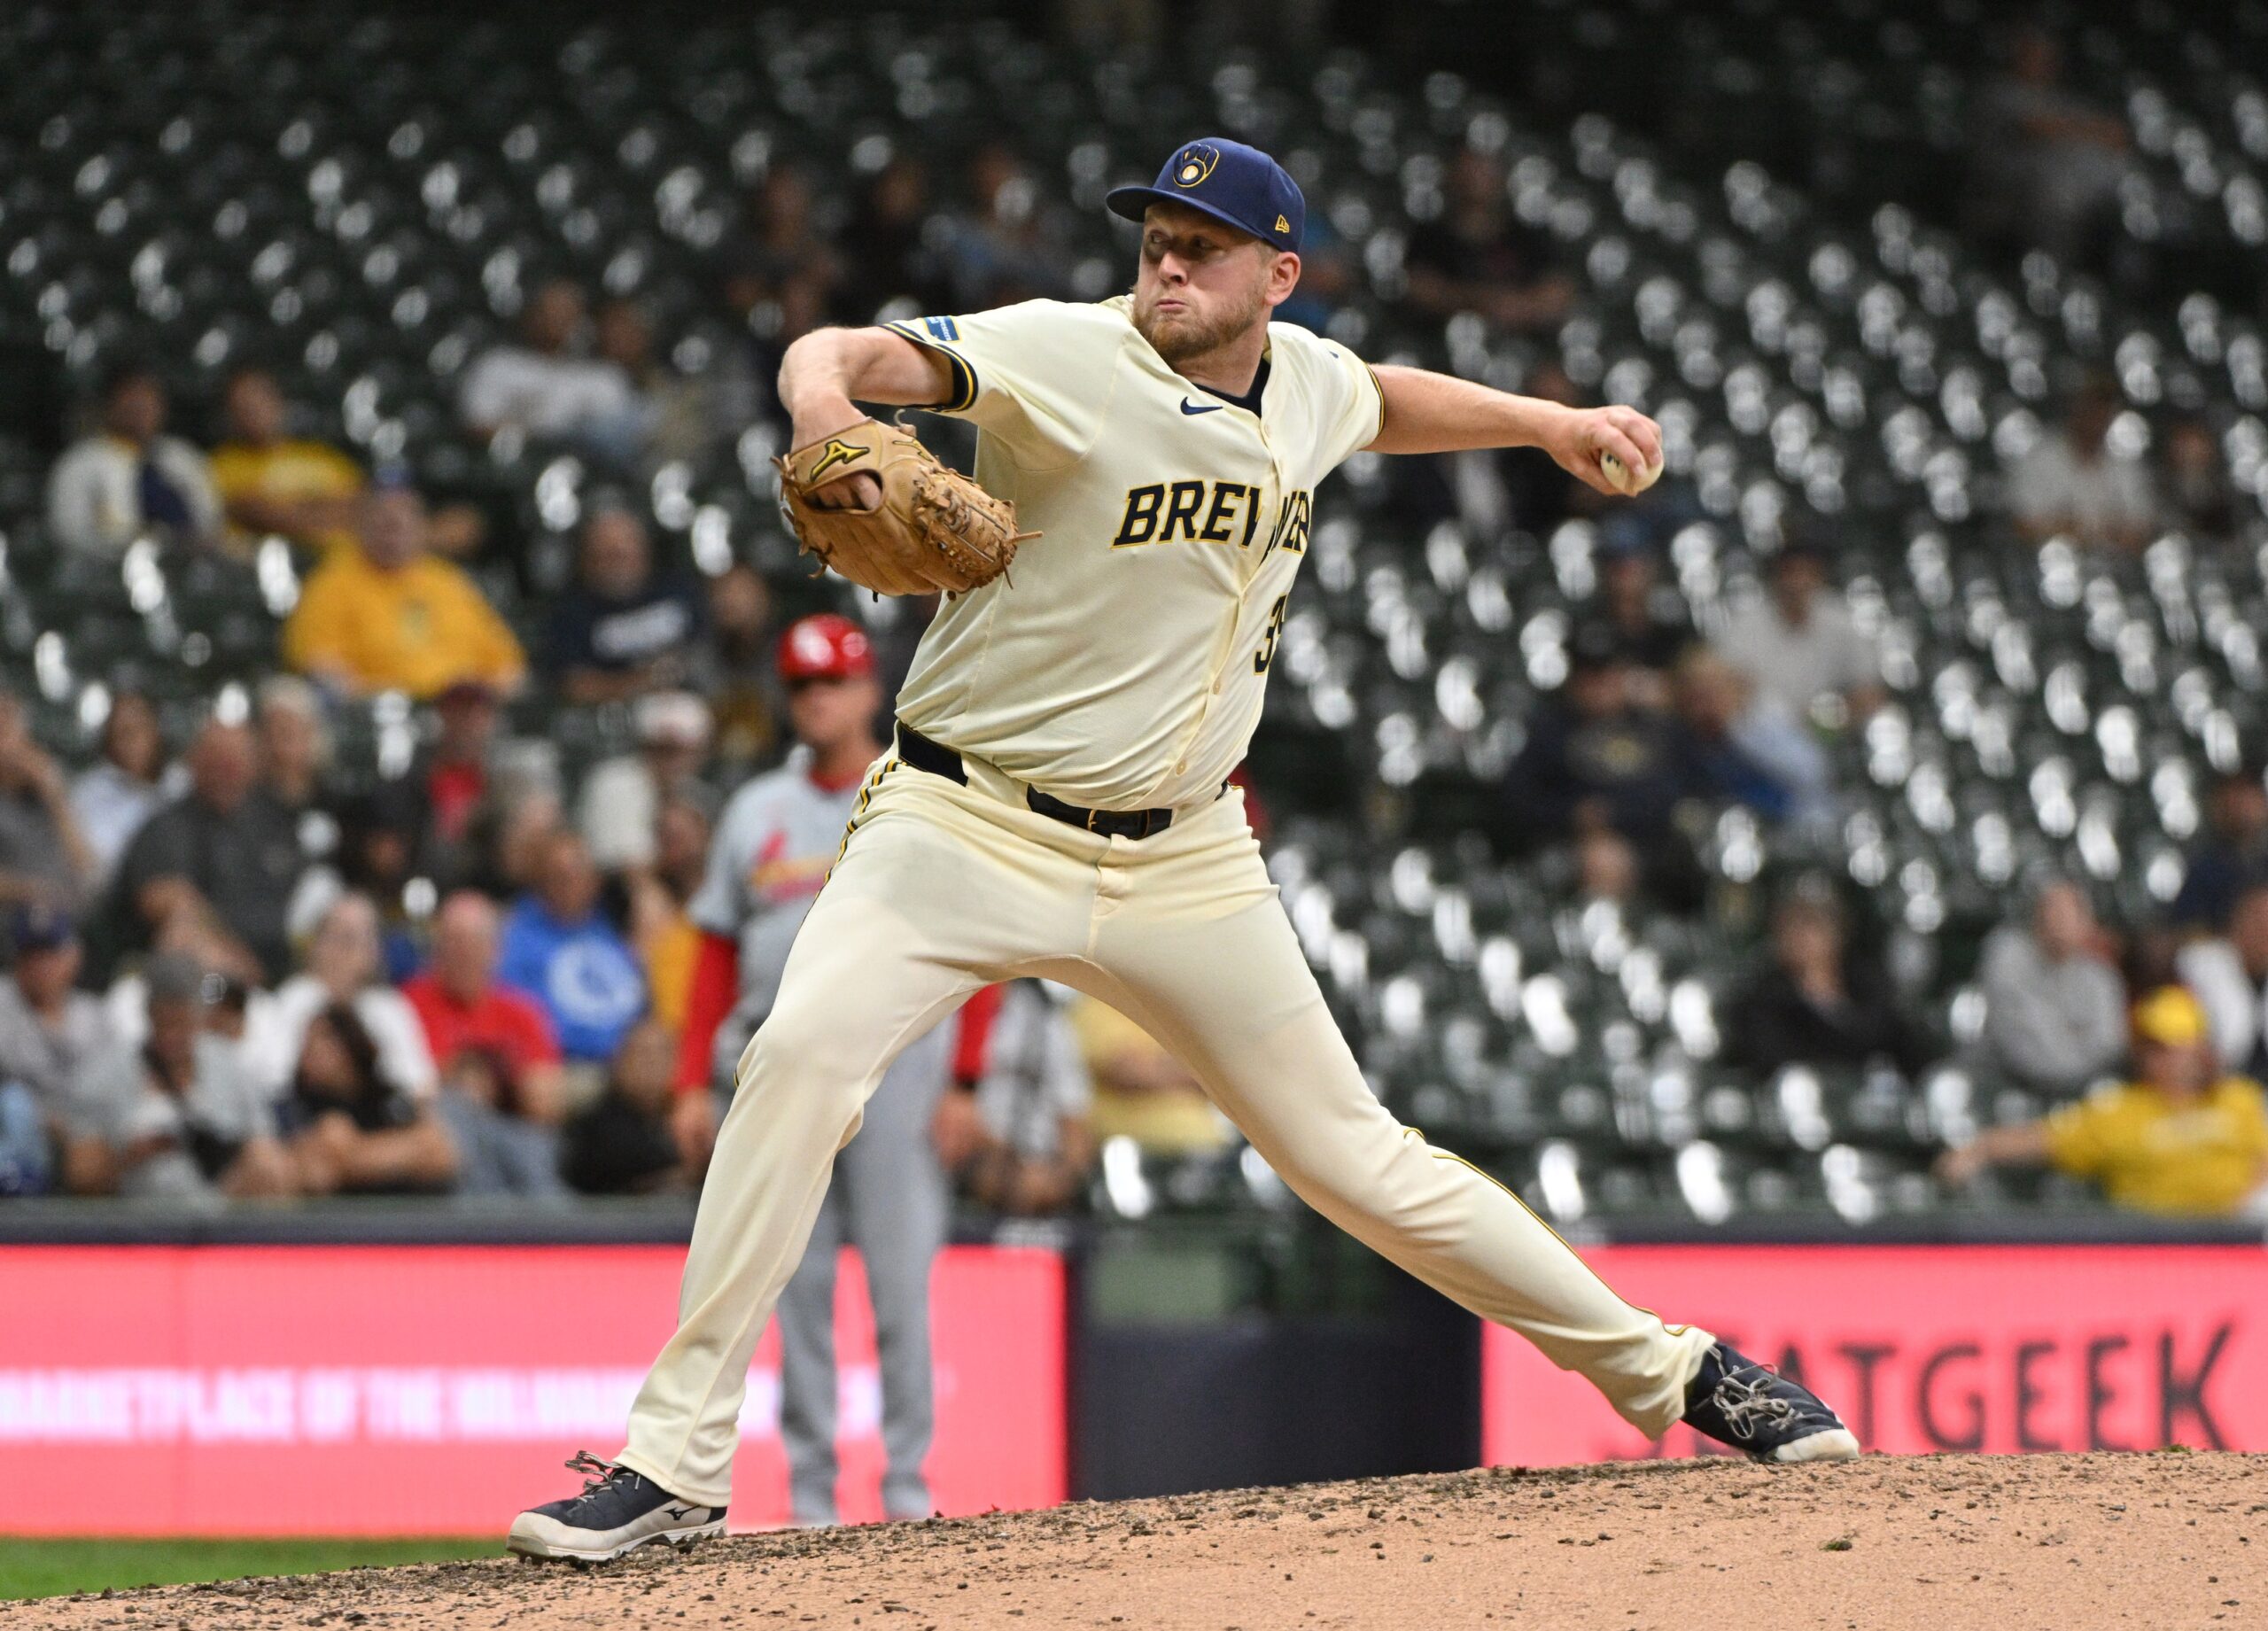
[1202, 283]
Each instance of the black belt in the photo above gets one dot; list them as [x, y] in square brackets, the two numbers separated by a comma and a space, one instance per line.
[939, 760]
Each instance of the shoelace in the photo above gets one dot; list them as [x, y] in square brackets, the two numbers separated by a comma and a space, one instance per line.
[1748, 1402]
[597, 1472]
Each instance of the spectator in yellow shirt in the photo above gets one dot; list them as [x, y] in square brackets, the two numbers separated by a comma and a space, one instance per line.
[271, 482]
[306, 491]
[2183, 1140]
[389, 614]
[1142, 1091]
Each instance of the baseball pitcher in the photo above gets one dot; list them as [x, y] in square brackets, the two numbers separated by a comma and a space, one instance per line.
[1054, 802]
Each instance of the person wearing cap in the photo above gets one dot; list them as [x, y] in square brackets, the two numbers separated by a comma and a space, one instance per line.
[1645, 618]
[623, 627]
[771, 852]
[1595, 761]
[176, 1117]
[390, 615]
[623, 796]
[2184, 1139]
[1058, 798]
[48, 1028]
[1797, 642]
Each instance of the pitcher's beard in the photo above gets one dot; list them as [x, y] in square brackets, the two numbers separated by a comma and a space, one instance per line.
[1180, 339]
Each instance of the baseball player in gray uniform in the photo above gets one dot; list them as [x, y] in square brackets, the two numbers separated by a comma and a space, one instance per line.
[1056, 802]
[890, 1198]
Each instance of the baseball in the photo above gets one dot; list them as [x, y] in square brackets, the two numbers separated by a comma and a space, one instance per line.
[1618, 475]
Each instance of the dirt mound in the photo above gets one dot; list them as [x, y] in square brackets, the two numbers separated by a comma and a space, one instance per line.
[1935, 1542]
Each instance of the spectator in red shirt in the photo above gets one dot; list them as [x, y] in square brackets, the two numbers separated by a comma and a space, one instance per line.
[497, 1058]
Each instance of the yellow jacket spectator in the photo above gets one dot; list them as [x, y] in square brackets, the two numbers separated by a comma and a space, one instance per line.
[270, 483]
[1141, 1092]
[2182, 1139]
[388, 615]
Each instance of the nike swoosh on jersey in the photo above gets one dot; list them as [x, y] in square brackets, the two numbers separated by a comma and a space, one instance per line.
[1188, 407]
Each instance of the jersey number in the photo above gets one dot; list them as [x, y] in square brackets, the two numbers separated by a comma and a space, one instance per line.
[1266, 655]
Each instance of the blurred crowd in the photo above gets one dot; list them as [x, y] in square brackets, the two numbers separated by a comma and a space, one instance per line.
[223, 982]
[228, 976]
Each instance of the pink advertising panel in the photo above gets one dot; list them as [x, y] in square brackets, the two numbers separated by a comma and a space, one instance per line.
[435, 1390]
[1922, 1348]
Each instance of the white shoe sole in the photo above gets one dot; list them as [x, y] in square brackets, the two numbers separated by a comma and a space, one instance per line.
[535, 1535]
[1834, 1444]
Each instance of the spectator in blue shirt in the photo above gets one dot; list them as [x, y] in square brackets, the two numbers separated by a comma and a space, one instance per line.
[1740, 748]
[623, 627]
[1594, 759]
[560, 948]
[2232, 854]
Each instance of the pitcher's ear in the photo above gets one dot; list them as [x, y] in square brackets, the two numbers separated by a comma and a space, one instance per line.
[1283, 276]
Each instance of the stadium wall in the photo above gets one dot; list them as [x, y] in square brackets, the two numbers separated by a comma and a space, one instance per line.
[404, 1388]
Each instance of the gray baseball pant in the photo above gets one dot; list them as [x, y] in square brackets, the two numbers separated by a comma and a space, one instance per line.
[890, 1200]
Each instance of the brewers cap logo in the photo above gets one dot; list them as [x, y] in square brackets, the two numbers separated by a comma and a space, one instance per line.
[1195, 163]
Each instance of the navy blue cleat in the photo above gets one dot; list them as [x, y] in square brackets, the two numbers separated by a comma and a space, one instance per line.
[1754, 1409]
[618, 1510]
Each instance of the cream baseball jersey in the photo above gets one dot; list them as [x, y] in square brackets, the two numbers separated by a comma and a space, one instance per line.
[1122, 663]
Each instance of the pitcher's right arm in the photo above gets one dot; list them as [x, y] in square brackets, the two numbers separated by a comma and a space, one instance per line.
[828, 372]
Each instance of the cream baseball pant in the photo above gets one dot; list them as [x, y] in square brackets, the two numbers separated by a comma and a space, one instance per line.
[943, 888]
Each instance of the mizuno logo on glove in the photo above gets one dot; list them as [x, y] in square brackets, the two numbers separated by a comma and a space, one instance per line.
[836, 452]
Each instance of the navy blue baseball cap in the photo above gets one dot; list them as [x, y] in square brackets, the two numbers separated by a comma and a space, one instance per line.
[1229, 182]
[35, 926]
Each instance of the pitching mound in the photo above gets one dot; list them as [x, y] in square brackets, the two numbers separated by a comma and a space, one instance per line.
[1939, 1542]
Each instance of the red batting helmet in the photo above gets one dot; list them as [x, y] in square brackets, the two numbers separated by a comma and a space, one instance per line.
[825, 646]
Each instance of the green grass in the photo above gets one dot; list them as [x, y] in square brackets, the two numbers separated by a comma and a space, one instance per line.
[54, 1568]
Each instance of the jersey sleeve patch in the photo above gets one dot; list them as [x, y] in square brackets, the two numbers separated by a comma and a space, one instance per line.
[938, 334]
